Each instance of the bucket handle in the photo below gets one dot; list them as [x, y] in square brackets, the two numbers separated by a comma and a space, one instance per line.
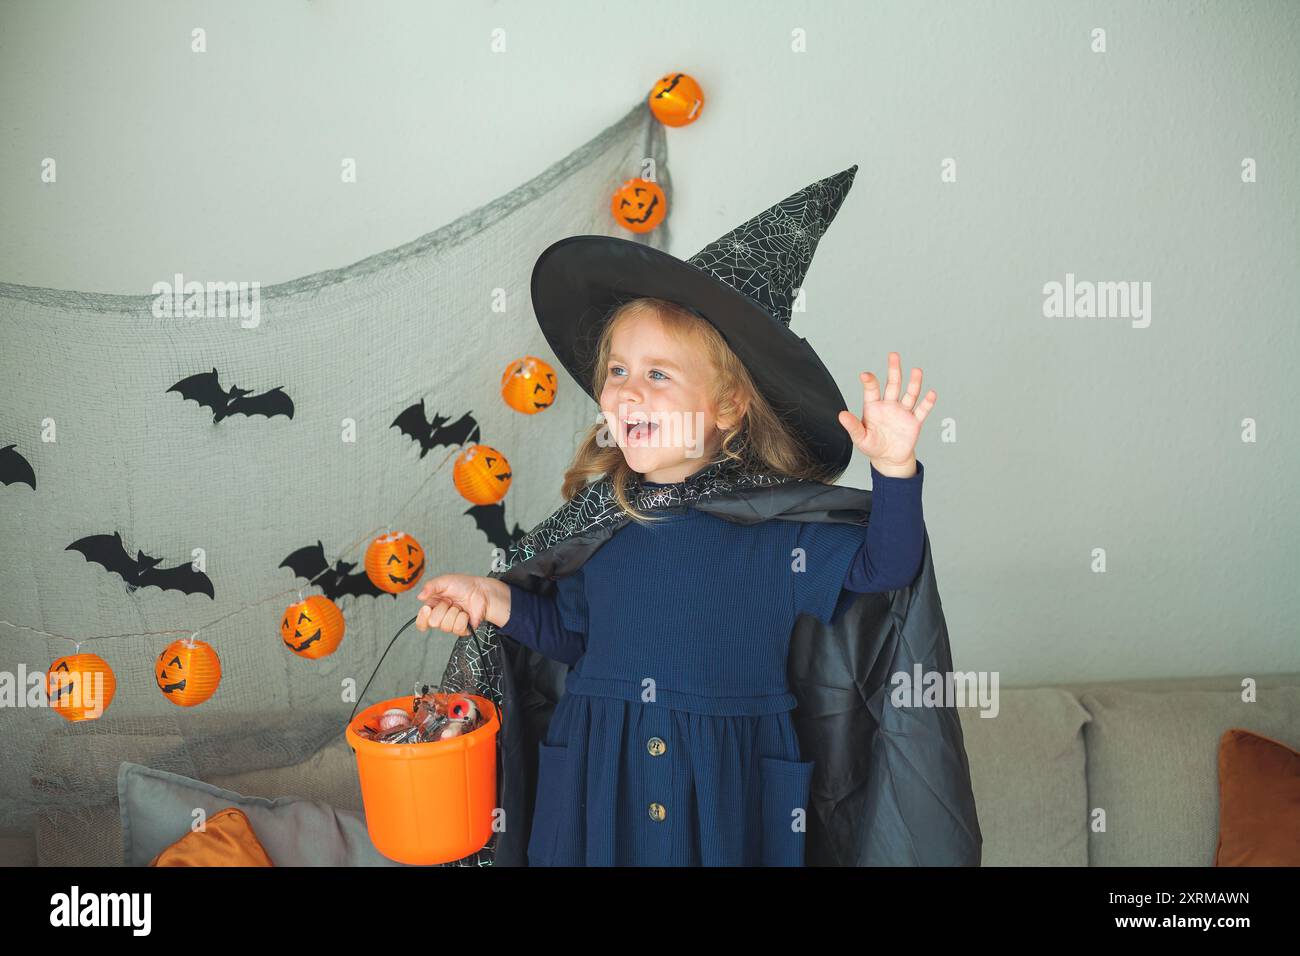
[360, 697]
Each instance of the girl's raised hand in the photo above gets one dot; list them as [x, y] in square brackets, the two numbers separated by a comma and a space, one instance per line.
[890, 426]
[455, 603]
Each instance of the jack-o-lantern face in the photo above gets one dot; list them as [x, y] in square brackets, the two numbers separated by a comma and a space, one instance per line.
[394, 562]
[188, 672]
[528, 385]
[482, 475]
[639, 205]
[412, 563]
[312, 628]
[676, 99]
[170, 673]
[80, 686]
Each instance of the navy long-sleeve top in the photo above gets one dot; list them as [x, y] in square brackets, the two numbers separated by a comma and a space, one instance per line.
[698, 567]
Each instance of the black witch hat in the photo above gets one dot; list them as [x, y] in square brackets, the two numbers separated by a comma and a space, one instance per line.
[744, 283]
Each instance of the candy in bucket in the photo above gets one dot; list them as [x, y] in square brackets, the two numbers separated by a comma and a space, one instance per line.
[433, 717]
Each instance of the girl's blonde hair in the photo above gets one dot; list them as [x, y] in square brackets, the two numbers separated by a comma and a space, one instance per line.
[759, 439]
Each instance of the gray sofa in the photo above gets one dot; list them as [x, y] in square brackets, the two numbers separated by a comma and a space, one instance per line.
[1115, 774]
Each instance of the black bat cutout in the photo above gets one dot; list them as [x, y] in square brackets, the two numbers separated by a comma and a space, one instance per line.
[310, 563]
[15, 468]
[491, 520]
[205, 388]
[141, 571]
[414, 424]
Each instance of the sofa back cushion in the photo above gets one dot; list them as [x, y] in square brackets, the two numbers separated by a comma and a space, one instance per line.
[1153, 767]
[1028, 774]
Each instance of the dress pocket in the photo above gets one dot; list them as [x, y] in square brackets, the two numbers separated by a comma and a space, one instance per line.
[785, 786]
[552, 785]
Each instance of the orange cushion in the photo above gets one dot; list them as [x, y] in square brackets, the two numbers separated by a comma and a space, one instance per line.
[1259, 801]
[228, 840]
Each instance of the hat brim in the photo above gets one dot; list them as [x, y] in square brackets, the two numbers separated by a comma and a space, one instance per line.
[578, 281]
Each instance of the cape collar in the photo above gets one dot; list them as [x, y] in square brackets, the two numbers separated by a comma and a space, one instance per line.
[720, 477]
[726, 489]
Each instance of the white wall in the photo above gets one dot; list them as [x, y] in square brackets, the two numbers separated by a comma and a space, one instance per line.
[1071, 434]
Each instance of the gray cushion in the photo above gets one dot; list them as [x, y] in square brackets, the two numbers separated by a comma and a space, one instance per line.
[157, 810]
[1153, 767]
[1027, 767]
[91, 835]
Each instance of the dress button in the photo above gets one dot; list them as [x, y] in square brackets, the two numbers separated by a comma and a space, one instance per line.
[656, 746]
[657, 812]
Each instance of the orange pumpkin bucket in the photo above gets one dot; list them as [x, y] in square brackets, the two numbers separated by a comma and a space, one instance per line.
[429, 802]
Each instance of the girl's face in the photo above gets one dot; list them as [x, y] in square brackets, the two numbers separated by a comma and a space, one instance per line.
[656, 382]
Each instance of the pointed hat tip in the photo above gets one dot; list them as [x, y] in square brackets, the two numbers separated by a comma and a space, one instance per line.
[844, 177]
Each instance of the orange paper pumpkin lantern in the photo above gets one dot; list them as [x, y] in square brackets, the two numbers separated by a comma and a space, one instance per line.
[188, 672]
[639, 205]
[482, 475]
[313, 627]
[394, 562]
[676, 99]
[80, 686]
[528, 385]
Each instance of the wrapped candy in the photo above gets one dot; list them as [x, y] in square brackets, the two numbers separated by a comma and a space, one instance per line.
[394, 719]
[433, 717]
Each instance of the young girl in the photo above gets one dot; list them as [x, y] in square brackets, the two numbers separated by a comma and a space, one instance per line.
[676, 714]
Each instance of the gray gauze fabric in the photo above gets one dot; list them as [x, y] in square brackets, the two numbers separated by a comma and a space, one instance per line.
[85, 399]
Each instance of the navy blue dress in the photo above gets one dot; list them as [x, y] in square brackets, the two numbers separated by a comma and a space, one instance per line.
[673, 743]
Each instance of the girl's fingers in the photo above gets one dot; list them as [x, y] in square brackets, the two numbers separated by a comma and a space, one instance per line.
[894, 381]
[924, 408]
[449, 619]
[893, 386]
[870, 392]
[432, 615]
[913, 390]
[441, 612]
[852, 426]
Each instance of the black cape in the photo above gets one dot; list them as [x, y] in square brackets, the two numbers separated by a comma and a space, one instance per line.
[891, 784]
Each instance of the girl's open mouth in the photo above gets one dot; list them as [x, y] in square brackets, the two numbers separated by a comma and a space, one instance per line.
[638, 432]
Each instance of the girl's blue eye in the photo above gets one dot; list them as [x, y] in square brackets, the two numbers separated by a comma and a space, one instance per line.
[615, 369]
